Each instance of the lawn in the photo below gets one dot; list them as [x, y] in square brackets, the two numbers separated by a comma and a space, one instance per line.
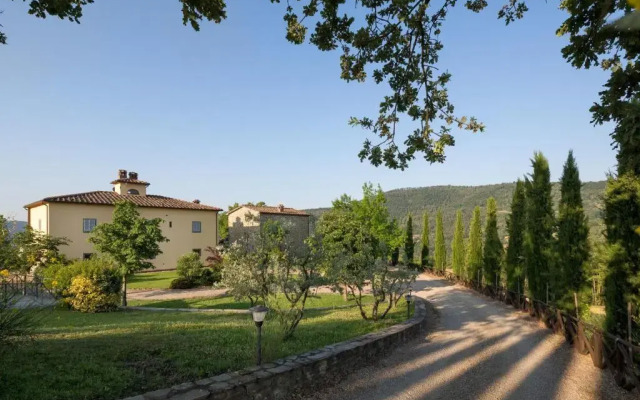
[227, 302]
[152, 280]
[114, 355]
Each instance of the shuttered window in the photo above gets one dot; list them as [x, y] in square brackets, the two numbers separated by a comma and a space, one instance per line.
[88, 224]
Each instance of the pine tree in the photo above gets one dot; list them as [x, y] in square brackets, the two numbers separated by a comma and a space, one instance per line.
[492, 255]
[408, 241]
[516, 225]
[540, 225]
[573, 230]
[474, 246]
[457, 246]
[424, 253]
[441, 250]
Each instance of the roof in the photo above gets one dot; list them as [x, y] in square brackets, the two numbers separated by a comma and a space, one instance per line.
[273, 210]
[129, 180]
[110, 198]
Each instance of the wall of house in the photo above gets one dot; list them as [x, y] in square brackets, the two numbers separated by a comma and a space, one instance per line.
[123, 188]
[38, 218]
[243, 222]
[67, 220]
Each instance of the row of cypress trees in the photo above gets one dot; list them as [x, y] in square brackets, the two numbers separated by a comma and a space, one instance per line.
[545, 254]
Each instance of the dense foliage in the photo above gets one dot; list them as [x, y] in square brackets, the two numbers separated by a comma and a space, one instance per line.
[474, 247]
[425, 260]
[440, 258]
[539, 242]
[457, 247]
[409, 244]
[573, 243]
[492, 249]
[516, 225]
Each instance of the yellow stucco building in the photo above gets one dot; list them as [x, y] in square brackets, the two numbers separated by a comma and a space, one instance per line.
[189, 226]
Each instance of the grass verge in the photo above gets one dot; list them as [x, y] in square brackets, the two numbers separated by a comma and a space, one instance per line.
[152, 280]
[119, 354]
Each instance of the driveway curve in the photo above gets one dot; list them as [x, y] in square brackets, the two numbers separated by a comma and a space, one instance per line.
[478, 349]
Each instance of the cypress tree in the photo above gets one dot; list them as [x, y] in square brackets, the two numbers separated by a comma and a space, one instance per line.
[573, 230]
[457, 246]
[408, 241]
[516, 224]
[441, 250]
[424, 253]
[474, 246]
[492, 256]
[540, 226]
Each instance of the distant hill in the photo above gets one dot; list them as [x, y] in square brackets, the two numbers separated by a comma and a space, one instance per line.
[415, 201]
[16, 226]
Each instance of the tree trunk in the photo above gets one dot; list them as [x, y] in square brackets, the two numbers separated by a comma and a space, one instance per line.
[124, 291]
[345, 295]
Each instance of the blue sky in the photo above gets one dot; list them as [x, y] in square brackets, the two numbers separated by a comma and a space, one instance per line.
[236, 113]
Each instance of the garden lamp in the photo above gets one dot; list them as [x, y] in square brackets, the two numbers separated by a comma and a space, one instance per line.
[258, 313]
[408, 297]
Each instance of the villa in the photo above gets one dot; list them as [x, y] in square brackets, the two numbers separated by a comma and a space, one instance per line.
[189, 225]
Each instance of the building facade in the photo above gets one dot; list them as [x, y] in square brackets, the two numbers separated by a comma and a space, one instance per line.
[189, 226]
[246, 220]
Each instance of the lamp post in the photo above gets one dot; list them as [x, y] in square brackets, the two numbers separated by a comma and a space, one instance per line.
[258, 313]
[408, 297]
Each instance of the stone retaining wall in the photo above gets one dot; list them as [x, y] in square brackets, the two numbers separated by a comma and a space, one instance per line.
[297, 374]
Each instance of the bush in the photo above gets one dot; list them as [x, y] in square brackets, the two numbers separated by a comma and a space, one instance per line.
[182, 283]
[15, 323]
[189, 266]
[87, 295]
[210, 276]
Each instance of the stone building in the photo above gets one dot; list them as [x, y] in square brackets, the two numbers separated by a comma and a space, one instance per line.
[246, 220]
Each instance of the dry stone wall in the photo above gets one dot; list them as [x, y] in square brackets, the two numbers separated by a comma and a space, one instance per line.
[299, 374]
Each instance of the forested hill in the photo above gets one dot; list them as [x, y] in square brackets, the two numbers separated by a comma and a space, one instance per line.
[415, 201]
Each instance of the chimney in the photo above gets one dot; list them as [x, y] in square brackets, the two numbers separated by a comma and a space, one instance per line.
[133, 175]
[122, 174]
[281, 207]
[196, 201]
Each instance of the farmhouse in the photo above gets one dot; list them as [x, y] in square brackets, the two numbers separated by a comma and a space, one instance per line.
[246, 220]
[189, 225]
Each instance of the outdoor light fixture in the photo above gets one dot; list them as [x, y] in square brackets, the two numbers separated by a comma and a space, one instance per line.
[258, 313]
[408, 297]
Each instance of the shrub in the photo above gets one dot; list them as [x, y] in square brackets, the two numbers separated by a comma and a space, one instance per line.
[189, 266]
[15, 322]
[87, 295]
[182, 283]
[210, 276]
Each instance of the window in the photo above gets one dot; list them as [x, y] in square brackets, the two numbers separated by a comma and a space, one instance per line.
[196, 227]
[86, 256]
[170, 224]
[133, 191]
[88, 224]
[197, 251]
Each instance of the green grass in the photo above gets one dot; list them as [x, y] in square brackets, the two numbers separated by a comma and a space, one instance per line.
[152, 280]
[114, 355]
[324, 300]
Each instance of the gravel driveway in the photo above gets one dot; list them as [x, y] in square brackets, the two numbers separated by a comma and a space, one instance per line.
[479, 349]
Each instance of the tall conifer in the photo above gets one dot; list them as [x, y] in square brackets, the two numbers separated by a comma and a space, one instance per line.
[474, 246]
[457, 246]
[573, 231]
[492, 256]
[408, 241]
[424, 251]
[516, 225]
[540, 227]
[441, 250]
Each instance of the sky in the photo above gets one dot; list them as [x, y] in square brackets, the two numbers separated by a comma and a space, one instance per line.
[235, 113]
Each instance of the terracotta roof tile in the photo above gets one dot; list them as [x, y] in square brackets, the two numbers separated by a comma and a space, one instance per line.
[110, 198]
[129, 180]
[274, 210]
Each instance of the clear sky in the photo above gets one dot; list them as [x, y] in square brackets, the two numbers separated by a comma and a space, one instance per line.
[235, 113]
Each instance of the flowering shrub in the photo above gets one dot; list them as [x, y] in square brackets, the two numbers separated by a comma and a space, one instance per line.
[86, 295]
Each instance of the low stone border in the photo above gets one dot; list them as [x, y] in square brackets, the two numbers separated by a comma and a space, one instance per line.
[225, 310]
[299, 374]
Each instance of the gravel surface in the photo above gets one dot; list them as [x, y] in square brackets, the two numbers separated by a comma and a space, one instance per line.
[478, 349]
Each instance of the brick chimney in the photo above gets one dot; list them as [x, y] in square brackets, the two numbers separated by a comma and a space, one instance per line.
[122, 174]
[281, 207]
[133, 175]
[196, 201]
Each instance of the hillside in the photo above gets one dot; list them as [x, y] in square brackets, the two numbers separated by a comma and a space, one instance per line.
[415, 201]
[16, 226]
